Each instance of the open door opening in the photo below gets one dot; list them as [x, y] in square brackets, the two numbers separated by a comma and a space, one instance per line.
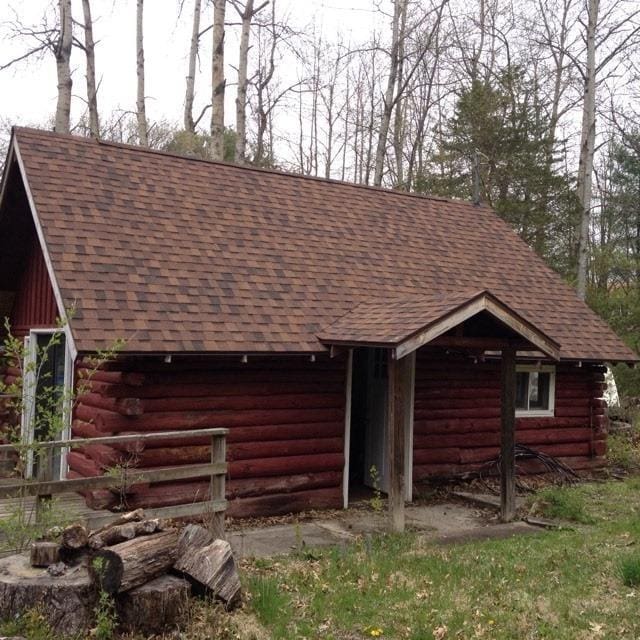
[368, 453]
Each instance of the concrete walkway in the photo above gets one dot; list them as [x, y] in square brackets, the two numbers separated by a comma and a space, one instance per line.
[446, 523]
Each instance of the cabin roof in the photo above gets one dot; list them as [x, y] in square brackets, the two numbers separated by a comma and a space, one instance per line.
[175, 254]
[409, 322]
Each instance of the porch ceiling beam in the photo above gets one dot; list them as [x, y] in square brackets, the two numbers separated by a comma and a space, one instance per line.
[486, 344]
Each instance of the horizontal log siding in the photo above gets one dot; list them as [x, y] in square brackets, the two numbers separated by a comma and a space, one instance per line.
[34, 305]
[285, 416]
[457, 416]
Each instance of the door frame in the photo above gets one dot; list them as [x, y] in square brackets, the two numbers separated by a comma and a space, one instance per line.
[29, 398]
[409, 418]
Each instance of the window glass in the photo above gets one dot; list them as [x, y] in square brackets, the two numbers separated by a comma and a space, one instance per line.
[539, 390]
[522, 388]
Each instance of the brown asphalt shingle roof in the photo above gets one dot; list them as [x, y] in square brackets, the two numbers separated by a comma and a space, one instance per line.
[392, 320]
[176, 254]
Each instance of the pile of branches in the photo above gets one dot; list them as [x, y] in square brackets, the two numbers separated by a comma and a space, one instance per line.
[563, 473]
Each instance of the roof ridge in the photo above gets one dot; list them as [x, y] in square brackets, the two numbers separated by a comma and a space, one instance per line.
[234, 165]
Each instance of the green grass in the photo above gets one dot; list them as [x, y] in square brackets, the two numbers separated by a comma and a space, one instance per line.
[559, 585]
[630, 570]
[569, 504]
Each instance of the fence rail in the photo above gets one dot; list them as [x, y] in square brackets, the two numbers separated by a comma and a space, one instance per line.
[44, 487]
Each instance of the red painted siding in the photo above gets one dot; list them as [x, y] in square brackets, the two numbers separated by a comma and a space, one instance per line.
[457, 416]
[34, 304]
[285, 415]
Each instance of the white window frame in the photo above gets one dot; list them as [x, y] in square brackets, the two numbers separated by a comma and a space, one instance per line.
[540, 413]
[29, 399]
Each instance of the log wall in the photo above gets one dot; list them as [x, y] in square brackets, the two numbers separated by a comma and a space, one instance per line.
[457, 416]
[285, 415]
[34, 305]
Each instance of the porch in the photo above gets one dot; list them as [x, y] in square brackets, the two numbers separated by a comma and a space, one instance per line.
[443, 522]
[390, 333]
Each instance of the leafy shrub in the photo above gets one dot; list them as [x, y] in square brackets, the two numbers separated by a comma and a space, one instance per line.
[623, 452]
[32, 625]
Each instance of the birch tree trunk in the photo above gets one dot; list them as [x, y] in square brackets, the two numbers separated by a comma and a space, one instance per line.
[140, 102]
[189, 124]
[587, 148]
[399, 13]
[63, 68]
[92, 89]
[241, 96]
[218, 82]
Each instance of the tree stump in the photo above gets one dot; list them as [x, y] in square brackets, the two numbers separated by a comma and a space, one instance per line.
[132, 563]
[67, 601]
[156, 606]
[44, 553]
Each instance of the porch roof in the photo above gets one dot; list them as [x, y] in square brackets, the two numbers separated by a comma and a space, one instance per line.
[409, 322]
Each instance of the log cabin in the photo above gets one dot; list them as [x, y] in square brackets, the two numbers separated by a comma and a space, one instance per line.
[347, 336]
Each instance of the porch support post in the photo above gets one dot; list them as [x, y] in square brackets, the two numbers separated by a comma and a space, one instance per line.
[508, 436]
[396, 427]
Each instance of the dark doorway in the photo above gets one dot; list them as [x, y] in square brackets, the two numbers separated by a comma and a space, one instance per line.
[367, 456]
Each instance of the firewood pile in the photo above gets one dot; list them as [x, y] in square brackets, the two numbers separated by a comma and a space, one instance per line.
[150, 568]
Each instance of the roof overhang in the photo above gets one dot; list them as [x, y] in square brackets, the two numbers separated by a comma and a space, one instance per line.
[14, 156]
[368, 324]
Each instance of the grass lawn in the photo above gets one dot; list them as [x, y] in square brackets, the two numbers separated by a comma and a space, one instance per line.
[571, 583]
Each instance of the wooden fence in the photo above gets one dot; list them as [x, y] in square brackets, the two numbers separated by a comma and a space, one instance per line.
[44, 487]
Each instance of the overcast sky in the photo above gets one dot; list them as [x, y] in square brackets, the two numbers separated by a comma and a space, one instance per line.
[28, 90]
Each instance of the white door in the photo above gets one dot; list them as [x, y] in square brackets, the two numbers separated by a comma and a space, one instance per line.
[45, 397]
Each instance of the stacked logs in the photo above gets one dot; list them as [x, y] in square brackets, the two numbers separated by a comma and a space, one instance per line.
[457, 417]
[149, 569]
[285, 418]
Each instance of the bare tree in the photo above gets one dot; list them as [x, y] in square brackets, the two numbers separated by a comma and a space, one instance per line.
[397, 35]
[63, 68]
[614, 32]
[218, 81]
[587, 146]
[401, 74]
[92, 89]
[141, 112]
[246, 14]
[189, 123]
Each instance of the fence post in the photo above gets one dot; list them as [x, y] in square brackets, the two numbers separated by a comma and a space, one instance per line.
[45, 473]
[218, 456]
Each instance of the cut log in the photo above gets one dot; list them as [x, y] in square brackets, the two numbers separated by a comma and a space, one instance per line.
[132, 516]
[75, 536]
[67, 601]
[193, 536]
[132, 563]
[156, 606]
[119, 533]
[211, 569]
[44, 553]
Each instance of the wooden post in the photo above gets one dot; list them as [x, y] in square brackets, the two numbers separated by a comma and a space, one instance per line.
[395, 431]
[45, 474]
[218, 455]
[508, 436]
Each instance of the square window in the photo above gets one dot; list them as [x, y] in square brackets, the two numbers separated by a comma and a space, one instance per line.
[535, 390]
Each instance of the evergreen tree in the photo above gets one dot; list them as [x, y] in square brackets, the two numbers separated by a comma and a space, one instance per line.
[503, 127]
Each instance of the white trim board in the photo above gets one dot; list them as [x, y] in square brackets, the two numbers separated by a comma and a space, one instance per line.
[347, 430]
